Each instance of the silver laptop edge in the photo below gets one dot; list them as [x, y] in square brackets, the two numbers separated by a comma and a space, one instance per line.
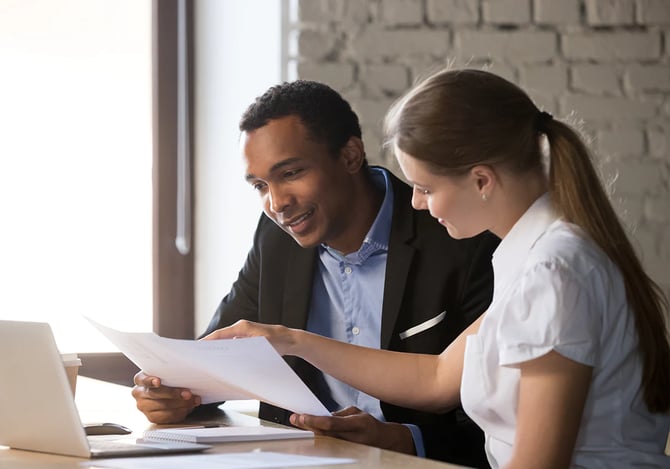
[37, 409]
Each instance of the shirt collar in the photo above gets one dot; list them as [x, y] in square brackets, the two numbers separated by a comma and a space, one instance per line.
[377, 238]
[520, 239]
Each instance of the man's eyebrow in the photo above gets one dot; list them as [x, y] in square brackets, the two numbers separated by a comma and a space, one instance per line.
[276, 167]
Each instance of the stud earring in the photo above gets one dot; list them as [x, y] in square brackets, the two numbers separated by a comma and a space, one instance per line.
[484, 197]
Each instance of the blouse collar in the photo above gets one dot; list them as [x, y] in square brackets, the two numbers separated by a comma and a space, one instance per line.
[513, 249]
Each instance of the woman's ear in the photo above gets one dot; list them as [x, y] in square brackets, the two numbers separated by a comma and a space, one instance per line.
[353, 154]
[485, 179]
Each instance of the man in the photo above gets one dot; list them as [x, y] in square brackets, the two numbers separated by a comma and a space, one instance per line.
[339, 251]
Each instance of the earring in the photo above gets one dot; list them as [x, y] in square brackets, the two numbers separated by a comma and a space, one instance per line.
[484, 197]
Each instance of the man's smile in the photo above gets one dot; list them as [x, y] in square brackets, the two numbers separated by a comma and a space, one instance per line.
[294, 224]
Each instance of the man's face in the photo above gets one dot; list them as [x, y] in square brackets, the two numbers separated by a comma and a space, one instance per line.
[304, 189]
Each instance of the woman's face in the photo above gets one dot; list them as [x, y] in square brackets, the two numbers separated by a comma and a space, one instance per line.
[456, 202]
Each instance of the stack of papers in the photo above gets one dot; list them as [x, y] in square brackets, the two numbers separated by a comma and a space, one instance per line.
[223, 434]
[218, 370]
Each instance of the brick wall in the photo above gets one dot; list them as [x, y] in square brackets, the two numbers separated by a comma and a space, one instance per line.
[602, 63]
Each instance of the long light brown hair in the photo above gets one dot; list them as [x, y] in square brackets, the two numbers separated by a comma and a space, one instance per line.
[457, 119]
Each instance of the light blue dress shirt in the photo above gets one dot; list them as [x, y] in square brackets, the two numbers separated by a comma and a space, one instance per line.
[347, 298]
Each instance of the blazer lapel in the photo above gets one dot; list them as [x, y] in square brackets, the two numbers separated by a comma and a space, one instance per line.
[298, 287]
[399, 258]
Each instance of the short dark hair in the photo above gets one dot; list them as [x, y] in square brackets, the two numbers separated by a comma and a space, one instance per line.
[327, 116]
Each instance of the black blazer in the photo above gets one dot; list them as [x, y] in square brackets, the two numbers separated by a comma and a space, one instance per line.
[427, 272]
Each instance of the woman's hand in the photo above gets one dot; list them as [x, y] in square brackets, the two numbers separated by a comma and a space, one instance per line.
[282, 338]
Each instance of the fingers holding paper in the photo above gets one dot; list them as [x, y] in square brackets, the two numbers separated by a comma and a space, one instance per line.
[377, 372]
[162, 404]
[280, 337]
[352, 424]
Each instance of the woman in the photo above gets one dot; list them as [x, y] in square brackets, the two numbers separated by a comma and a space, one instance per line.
[570, 365]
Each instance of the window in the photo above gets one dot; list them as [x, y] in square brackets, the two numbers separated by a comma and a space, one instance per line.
[239, 54]
[75, 166]
[88, 162]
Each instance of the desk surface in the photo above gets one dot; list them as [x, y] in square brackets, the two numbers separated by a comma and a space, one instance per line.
[98, 401]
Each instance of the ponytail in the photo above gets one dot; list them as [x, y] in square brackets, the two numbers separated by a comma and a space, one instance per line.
[578, 195]
[457, 119]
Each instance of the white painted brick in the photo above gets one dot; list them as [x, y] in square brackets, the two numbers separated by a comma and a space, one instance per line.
[374, 150]
[634, 172]
[596, 78]
[452, 11]
[648, 77]
[644, 242]
[322, 11]
[657, 98]
[556, 12]
[506, 11]
[665, 246]
[606, 108]
[375, 43]
[653, 11]
[421, 67]
[629, 210]
[610, 12]
[371, 112]
[315, 44]
[353, 94]
[657, 208]
[612, 45]
[544, 101]
[545, 78]
[628, 142]
[658, 141]
[515, 46]
[654, 254]
[335, 74]
[312, 10]
[357, 12]
[402, 12]
[382, 79]
[500, 68]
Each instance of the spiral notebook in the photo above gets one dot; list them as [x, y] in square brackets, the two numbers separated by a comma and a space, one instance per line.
[222, 434]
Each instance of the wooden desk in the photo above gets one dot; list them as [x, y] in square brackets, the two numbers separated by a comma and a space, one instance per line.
[99, 401]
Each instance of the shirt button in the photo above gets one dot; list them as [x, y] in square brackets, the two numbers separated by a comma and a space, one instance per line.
[355, 330]
[347, 270]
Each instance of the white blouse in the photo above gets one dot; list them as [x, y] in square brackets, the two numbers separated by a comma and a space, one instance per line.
[554, 289]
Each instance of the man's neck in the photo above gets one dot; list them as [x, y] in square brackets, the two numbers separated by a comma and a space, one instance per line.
[362, 216]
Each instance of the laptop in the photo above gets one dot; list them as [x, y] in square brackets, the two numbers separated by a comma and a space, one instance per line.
[37, 408]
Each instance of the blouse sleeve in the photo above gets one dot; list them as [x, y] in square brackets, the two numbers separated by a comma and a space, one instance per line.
[551, 308]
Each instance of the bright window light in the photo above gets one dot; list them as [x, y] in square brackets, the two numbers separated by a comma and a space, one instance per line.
[75, 166]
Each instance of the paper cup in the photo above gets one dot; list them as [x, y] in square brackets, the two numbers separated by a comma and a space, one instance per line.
[71, 362]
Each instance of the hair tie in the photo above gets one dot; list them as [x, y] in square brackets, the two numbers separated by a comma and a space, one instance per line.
[542, 118]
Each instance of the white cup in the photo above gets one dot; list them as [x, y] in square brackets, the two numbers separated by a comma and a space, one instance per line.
[71, 362]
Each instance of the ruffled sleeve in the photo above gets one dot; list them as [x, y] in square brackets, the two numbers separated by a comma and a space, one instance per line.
[550, 308]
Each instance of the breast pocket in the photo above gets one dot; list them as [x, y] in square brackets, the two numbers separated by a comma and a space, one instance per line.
[424, 326]
[475, 386]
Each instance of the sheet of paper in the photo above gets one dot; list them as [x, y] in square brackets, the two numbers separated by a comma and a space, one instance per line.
[225, 434]
[218, 370]
[252, 459]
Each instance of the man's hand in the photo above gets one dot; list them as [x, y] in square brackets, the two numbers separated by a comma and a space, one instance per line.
[352, 424]
[162, 404]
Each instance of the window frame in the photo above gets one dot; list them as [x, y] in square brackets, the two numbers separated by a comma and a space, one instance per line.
[172, 271]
